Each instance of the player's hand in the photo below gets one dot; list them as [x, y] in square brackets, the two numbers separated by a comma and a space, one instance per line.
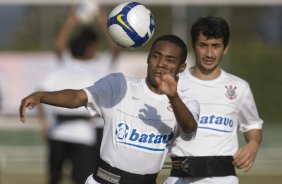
[85, 11]
[167, 83]
[245, 156]
[28, 102]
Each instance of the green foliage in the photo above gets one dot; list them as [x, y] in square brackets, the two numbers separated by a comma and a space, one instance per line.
[258, 63]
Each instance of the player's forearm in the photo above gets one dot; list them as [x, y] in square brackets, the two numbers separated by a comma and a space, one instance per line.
[253, 137]
[183, 116]
[102, 23]
[65, 98]
[64, 34]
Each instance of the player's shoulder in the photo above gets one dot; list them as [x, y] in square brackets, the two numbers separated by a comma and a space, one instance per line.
[122, 79]
[184, 78]
[235, 79]
[119, 76]
[133, 80]
[114, 77]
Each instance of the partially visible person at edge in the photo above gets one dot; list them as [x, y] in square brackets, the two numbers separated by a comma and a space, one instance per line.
[226, 102]
[142, 116]
[1, 94]
[73, 23]
[72, 135]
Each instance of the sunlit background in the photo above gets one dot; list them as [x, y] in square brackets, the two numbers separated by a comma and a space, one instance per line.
[27, 32]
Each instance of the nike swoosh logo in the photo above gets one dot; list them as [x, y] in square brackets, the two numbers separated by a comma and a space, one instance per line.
[183, 90]
[119, 19]
[135, 98]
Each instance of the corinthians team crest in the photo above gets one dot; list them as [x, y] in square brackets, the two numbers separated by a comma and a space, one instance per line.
[230, 91]
[122, 131]
[145, 140]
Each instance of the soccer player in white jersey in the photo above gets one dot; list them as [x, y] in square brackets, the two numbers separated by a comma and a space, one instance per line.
[226, 102]
[71, 135]
[142, 116]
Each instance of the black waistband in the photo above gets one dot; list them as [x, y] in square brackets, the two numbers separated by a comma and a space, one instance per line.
[106, 174]
[60, 118]
[206, 166]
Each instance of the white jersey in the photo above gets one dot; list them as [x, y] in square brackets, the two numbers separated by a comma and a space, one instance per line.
[225, 104]
[74, 74]
[139, 124]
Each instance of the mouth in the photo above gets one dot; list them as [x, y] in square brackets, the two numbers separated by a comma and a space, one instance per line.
[208, 61]
[158, 73]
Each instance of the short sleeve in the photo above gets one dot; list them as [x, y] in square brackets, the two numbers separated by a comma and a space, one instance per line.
[248, 115]
[105, 93]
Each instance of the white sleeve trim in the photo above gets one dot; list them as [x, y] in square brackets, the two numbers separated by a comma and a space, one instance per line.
[91, 104]
[244, 129]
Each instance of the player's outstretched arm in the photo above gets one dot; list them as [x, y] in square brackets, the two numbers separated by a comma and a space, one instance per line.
[66, 98]
[101, 22]
[64, 34]
[168, 85]
[246, 155]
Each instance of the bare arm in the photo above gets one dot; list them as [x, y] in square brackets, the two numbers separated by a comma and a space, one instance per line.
[246, 155]
[102, 23]
[66, 98]
[65, 33]
[185, 119]
[72, 23]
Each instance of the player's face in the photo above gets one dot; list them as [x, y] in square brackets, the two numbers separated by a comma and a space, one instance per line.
[209, 53]
[91, 51]
[165, 57]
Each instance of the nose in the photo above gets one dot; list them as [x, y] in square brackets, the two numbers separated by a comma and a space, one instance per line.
[161, 62]
[209, 52]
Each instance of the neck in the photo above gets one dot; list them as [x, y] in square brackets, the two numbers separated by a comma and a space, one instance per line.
[153, 88]
[205, 74]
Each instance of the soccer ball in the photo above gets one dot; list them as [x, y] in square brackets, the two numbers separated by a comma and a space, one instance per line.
[131, 24]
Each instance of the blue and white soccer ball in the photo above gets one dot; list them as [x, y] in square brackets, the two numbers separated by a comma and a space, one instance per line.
[131, 24]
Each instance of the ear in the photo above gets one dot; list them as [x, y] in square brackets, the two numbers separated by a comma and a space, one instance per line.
[182, 67]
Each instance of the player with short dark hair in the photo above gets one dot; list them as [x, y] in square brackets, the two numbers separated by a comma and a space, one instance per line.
[175, 40]
[141, 116]
[80, 44]
[211, 27]
[226, 102]
[72, 136]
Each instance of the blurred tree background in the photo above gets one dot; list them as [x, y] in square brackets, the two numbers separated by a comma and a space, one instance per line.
[255, 49]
